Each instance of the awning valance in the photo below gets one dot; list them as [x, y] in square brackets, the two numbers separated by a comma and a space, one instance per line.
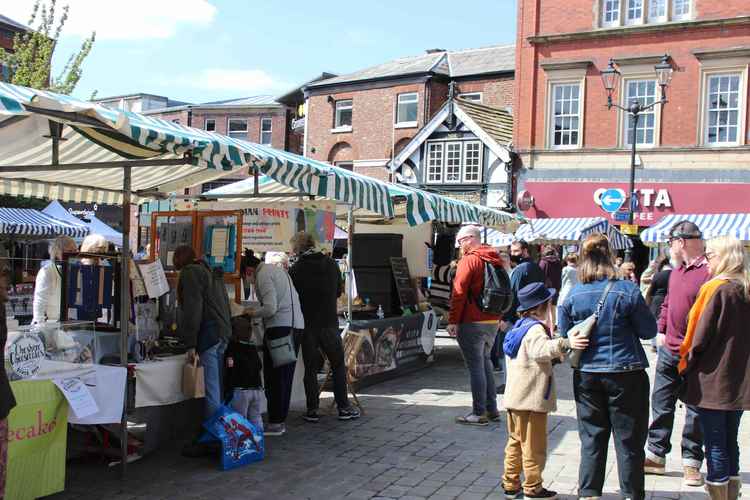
[711, 225]
[571, 231]
[29, 223]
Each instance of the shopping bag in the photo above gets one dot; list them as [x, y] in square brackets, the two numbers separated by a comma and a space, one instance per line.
[241, 442]
[193, 384]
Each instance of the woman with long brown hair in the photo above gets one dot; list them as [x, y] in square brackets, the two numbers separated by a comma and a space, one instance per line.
[610, 382]
[715, 361]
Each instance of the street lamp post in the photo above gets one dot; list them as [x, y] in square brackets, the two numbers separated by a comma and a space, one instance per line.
[610, 79]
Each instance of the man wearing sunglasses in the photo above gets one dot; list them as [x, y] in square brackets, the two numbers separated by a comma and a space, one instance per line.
[686, 244]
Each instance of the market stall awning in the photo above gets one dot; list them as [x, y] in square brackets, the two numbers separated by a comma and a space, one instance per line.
[95, 226]
[570, 231]
[711, 225]
[495, 238]
[30, 223]
[92, 133]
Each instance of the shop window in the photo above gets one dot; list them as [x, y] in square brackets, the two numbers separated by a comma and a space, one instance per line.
[343, 114]
[473, 161]
[406, 109]
[565, 120]
[643, 91]
[210, 125]
[472, 96]
[265, 131]
[435, 162]
[610, 12]
[237, 128]
[722, 113]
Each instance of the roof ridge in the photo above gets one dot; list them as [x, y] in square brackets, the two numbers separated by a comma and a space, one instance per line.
[487, 47]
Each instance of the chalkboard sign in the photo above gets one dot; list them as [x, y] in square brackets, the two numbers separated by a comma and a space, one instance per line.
[407, 296]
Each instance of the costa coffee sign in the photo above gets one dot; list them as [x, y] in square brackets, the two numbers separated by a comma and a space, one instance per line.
[654, 200]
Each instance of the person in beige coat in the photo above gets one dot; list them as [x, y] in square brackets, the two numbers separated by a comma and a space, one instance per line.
[530, 394]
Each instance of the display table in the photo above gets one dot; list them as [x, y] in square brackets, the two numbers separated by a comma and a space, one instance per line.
[159, 382]
[379, 349]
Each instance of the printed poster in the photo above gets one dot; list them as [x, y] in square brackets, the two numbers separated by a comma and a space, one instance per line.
[268, 228]
[37, 440]
[380, 346]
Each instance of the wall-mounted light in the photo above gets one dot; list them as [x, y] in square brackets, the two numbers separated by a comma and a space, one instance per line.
[331, 99]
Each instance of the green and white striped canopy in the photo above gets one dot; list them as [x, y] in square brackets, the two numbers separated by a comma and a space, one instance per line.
[92, 133]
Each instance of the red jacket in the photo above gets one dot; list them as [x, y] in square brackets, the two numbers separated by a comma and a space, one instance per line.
[467, 286]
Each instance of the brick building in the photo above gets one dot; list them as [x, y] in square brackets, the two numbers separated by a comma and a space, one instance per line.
[362, 120]
[693, 151]
[8, 31]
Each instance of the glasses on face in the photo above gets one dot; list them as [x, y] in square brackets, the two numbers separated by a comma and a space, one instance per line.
[465, 238]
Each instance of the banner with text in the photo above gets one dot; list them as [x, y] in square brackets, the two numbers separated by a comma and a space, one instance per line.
[270, 227]
[37, 440]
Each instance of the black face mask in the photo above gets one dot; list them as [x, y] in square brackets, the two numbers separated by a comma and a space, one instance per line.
[516, 259]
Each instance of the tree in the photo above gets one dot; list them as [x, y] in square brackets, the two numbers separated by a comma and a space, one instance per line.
[30, 61]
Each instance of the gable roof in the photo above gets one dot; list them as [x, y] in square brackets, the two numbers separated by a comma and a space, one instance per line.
[459, 63]
[494, 127]
[13, 24]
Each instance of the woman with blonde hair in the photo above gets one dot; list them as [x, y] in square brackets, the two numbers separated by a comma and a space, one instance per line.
[715, 362]
[610, 383]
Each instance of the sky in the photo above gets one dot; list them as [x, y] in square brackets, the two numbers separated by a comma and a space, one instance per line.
[205, 50]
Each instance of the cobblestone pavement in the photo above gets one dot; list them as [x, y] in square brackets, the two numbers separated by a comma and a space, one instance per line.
[407, 446]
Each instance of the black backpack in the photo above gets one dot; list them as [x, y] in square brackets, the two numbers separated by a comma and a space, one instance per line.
[496, 296]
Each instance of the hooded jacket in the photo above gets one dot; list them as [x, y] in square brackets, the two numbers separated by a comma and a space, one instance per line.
[468, 284]
[203, 304]
[552, 267]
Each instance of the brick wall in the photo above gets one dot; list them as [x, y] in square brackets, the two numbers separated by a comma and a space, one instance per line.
[679, 118]
[496, 92]
[253, 117]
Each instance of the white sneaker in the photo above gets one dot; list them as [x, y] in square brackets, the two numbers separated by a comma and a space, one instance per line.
[274, 430]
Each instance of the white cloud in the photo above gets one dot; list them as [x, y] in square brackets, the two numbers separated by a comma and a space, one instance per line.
[246, 81]
[117, 20]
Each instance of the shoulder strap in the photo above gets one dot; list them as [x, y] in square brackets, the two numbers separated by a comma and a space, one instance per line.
[291, 297]
[603, 298]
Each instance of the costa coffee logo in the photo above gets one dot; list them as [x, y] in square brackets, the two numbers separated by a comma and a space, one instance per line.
[25, 354]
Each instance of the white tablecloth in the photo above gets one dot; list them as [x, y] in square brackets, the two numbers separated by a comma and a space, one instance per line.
[106, 383]
[159, 383]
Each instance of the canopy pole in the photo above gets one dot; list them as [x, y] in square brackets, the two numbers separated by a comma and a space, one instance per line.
[255, 181]
[349, 270]
[125, 310]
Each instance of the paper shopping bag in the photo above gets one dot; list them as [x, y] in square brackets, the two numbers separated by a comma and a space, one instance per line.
[193, 385]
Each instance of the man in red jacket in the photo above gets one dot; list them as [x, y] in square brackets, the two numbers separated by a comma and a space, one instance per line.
[474, 329]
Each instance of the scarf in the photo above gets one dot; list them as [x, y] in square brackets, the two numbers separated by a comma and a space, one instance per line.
[706, 292]
[514, 337]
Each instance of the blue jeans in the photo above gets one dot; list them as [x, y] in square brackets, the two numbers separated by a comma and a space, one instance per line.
[212, 360]
[720, 429]
[476, 341]
[667, 383]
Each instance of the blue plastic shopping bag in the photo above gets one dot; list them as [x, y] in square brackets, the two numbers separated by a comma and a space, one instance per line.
[241, 442]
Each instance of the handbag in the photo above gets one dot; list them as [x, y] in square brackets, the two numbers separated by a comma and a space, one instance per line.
[282, 349]
[585, 327]
[193, 382]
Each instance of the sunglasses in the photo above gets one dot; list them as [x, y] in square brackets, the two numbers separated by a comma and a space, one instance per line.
[684, 237]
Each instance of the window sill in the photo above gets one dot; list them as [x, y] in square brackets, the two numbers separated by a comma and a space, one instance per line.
[341, 130]
[406, 125]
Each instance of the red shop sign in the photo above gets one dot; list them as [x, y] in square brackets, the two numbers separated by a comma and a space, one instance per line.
[655, 199]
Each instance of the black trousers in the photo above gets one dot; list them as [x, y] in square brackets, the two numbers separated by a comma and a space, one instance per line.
[328, 341]
[612, 403]
[278, 381]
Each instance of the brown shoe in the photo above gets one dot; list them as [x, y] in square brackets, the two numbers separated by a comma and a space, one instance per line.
[651, 467]
[692, 476]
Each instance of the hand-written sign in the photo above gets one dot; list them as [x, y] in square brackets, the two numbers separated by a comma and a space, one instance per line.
[271, 227]
[407, 296]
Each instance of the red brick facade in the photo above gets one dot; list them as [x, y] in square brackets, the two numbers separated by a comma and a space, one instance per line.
[373, 136]
[713, 25]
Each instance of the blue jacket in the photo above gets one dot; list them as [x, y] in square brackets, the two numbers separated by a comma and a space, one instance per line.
[625, 319]
[525, 273]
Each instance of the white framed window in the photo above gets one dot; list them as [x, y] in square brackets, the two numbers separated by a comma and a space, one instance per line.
[680, 10]
[266, 125]
[343, 114]
[237, 128]
[634, 14]
[723, 108]
[209, 125]
[610, 12]
[657, 11]
[565, 116]
[406, 108]
[645, 92]
[472, 161]
[435, 162]
[452, 162]
[472, 96]
[346, 165]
